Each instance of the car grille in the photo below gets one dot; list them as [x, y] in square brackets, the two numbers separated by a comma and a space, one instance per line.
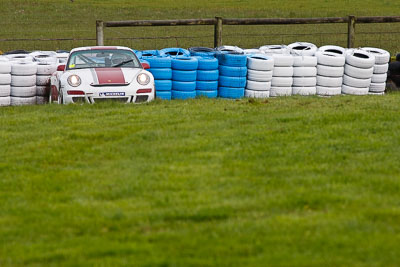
[141, 98]
[114, 99]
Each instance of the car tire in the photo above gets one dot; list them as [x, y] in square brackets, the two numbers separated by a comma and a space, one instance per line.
[165, 95]
[25, 81]
[373, 93]
[159, 62]
[41, 100]
[304, 61]
[207, 75]
[305, 81]
[360, 59]
[5, 66]
[5, 90]
[359, 73]
[283, 60]
[302, 49]
[23, 91]
[201, 51]
[43, 91]
[260, 62]
[46, 69]
[356, 82]
[304, 90]
[230, 92]
[330, 71]
[23, 68]
[5, 101]
[43, 80]
[5, 79]
[207, 63]
[184, 63]
[377, 87]
[209, 94]
[258, 86]
[333, 49]
[379, 78]
[163, 85]
[184, 75]
[183, 94]
[22, 101]
[328, 91]
[232, 59]
[381, 56]
[161, 73]
[175, 52]
[256, 94]
[259, 75]
[381, 68]
[207, 85]
[329, 81]
[282, 81]
[274, 49]
[226, 81]
[304, 71]
[283, 71]
[232, 71]
[280, 91]
[330, 59]
[183, 86]
[348, 90]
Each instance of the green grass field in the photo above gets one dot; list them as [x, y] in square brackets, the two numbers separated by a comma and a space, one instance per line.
[299, 181]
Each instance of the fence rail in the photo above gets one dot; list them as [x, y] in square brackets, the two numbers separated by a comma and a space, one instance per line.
[218, 23]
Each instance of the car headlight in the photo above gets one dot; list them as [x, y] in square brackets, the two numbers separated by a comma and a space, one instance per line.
[74, 80]
[143, 78]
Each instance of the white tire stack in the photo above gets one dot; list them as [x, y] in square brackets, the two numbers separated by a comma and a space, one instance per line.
[304, 75]
[378, 80]
[282, 75]
[330, 69]
[46, 57]
[358, 72]
[23, 83]
[5, 81]
[259, 76]
[43, 75]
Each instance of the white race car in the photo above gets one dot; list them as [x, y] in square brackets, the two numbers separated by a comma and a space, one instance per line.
[98, 73]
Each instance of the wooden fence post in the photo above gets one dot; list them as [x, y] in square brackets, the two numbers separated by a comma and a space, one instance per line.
[99, 32]
[218, 32]
[351, 31]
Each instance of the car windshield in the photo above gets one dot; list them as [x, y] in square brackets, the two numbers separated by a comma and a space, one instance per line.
[112, 58]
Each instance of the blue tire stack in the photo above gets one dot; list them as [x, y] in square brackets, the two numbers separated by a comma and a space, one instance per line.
[160, 67]
[232, 74]
[184, 74]
[207, 77]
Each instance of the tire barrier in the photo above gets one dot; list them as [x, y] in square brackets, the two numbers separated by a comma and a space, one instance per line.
[330, 70]
[379, 76]
[23, 83]
[304, 69]
[233, 73]
[184, 75]
[259, 76]
[207, 76]
[160, 67]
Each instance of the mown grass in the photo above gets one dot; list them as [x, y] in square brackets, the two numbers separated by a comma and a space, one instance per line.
[66, 19]
[300, 181]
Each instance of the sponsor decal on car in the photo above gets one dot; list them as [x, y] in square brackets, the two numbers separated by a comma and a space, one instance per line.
[112, 94]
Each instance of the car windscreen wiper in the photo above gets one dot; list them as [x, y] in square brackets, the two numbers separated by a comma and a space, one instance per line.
[123, 63]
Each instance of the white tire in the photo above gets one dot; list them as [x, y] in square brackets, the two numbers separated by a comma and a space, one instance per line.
[23, 91]
[358, 72]
[259, 76]
[23, 68]
[305, 81]
[258, 86]
[377, 87]
[283, 60]
[46, 69]
[282, 81]
[356, 82]
[330, 59]
[372, 93]
[5, 101]
[381, 56]
[20, 57]
[43, 80]
[379, 78]
[17, 80]
[360, 58]
[304, 71]
[256, 94]
[329, 81]
[330, 71]
[381, 68]
[283, 71]
[41, 100]
[21, 101]
[302, 49]
[348, 90]
[280, 91]
[5, 78]
[304, 61]
[260, 62]
[332, 49]
[43, 91]
[304, 90]
[274, 49]
[48, 57]
[328, 91]
[5, 66]
[5, 90]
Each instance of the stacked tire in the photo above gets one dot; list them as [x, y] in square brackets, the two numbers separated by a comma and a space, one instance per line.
[23, 83]
[43, 76]
[160, 67]
[304, 71]
[358, 72]
[259, 76]
[207, 77]
[330, 69]
[282, 75]
[232, 74]
[5, 82]
[379, 76]
[184, 75]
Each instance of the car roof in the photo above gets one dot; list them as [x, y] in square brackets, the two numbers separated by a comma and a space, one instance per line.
[84, 48]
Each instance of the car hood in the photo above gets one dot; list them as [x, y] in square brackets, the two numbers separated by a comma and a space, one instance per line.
[106, 76]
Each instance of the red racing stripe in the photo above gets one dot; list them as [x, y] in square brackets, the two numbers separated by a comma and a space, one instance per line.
[110, 75]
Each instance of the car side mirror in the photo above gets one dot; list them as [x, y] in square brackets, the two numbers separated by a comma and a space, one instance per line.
[61, 68]
[145, 65]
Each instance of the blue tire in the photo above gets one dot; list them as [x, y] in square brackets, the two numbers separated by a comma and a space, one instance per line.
[151, 53]
[207, 75]
[184, 75]
[209, 94]
[226, 81]
[161, 74]
[185, 63]
[207, 85]
[174, 52]
[163, 85]
[183, 86]
[232, 71]
[138, 53]
[202, 51]
[159, 62]
[207, 63]
[167, 95]
[232, 59]
[230, 92]
[183, 94]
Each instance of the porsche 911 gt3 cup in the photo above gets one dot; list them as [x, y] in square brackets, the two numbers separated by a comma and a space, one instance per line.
[95, 74]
